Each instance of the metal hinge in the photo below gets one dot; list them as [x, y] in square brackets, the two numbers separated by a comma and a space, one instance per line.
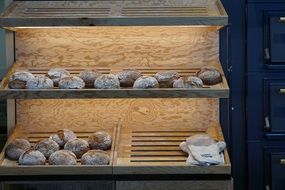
[267, 123]
[267, 54]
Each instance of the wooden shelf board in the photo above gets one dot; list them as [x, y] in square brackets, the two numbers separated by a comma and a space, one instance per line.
[156, 150]
[114, 13]
[220, 90]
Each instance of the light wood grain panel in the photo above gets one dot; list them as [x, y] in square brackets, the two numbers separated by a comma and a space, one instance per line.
[171, 185]
[118, 46]
[106, 113]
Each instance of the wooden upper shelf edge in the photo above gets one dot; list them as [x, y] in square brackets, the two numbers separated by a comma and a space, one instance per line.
[114, 13]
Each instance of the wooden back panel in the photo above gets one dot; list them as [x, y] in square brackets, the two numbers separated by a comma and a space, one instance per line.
[44, 115]
[118, 46]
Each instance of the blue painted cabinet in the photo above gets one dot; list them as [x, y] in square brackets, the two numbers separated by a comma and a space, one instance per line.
[266, 94]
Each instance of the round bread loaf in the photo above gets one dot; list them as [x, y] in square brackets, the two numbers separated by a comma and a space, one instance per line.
[108, 81]
[47, 147]
[95, 157]
[77, 146]
[16, 148]
[71, 83]
[19, 79]
[210, 76]
[190, 82]
[100, 140]
[63, 136]
[32, 157]
[166, 78]
[56, 74]
[146, 82]
[39, 82]
[62, 157]
[128, 77]
[89, 77]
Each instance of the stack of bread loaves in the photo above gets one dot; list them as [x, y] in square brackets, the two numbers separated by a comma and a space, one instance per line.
[62, 148]
[62, 79]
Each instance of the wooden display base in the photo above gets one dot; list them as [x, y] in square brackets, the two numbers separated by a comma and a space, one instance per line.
[10, 167]
[220, 90]
[155, 150]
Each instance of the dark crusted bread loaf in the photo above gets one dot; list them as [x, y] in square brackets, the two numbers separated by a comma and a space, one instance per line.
[71, 83]
[19, 79]
[107, 81]
[128, 77]
[95, 157]
[210, 76]
[16, 148]
[146, 82]
[189, 82]
[89, 77]
[166, 78]
[77, 146]
[63, 136]
[39, 82]
[47, 147]
[100, 140]
[62, 157]
[32, 157]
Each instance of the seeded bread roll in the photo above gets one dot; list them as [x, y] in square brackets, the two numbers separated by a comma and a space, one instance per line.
[71, 83]
[47, 147]
[19, 79]
[56, 74]
[100, 140]
[146, 82]
[62, 157]
[128, 77]
[63, 136]
[108, 81]
[166, 78]
[190, 82]
[32, 157]
[77, 146]
[39, 82]
[89, 77]
[210, 76]
[95, 157]
[16, 148]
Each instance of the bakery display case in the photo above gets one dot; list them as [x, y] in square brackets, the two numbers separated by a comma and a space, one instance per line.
[146, 125]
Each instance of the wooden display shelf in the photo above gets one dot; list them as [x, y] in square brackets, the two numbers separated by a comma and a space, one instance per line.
[10, 167]
[220, 90]
[114, 13]
[155, 150]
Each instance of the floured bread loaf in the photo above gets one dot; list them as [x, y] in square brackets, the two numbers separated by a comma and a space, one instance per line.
[63, 136]
[189, 82]
[71, 83]
[95, 157]
[16, 148]
[166, 78]
[210, 76]
[47, 147]
[77, 146]
[146, 82]
[62, 157]
[56, 74]
[39, 82]
[32, 157]
[19, 79]
[89, 77]
[108, 81]
[128, 77]
[100, 140]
